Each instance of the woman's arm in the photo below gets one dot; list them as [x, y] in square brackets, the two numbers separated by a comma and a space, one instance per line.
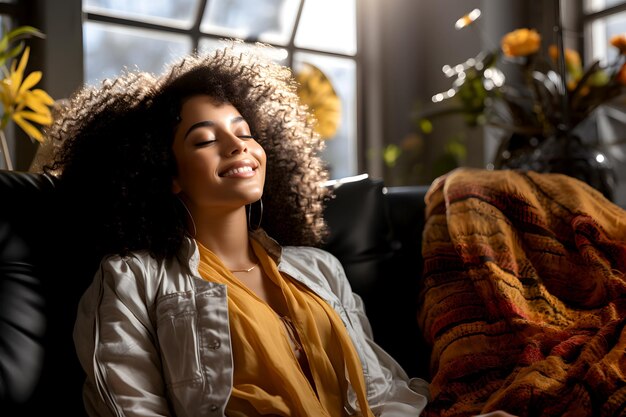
[393, 393]
[405, 396]
[116, 344]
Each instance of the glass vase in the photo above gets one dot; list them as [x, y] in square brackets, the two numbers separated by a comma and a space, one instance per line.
[564, 154]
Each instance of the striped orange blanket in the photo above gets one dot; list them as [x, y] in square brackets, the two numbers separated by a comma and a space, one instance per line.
[524, 296]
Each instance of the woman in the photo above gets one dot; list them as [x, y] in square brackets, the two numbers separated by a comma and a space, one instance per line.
[195, 310]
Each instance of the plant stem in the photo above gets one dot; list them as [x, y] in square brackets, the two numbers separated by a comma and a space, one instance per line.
[558, 28]
[5, 151]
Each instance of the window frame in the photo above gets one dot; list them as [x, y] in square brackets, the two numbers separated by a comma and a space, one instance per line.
[585, 21]
[196, 34]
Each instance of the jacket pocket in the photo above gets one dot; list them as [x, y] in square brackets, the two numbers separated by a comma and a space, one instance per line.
[177, 320]
[194, 337]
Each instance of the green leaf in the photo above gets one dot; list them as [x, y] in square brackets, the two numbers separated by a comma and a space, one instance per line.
[19, 33]
[599, 78]
[23, 32]
[586, 75]
[426, 126]
[6, 55]
[457, 150]
[391, 154]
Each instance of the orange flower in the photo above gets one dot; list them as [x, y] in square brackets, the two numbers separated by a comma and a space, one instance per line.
[621, 75]
[573, 63]
[521, 42]
[572, 57]
[468, 19]
[619, 41]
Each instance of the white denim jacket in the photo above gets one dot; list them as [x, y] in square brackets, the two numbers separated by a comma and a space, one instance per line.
[154, 340]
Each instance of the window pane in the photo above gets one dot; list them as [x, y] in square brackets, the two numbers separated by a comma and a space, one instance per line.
[7, 24]
[208, 45]
[597, 5]
[179, 13]
[600, 32]
[332, 32]
[268, 21]
[341, 150]
[611, 120]
[109, 48]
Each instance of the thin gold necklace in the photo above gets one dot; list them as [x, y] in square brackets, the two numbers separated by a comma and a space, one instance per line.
[245, 270]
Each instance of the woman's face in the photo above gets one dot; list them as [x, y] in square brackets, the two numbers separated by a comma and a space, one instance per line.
[220, 165]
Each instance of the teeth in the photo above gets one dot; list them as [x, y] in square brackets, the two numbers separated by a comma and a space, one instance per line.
[238, 170]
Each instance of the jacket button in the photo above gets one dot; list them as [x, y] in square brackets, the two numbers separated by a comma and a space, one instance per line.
[213, 407]
[215, 344]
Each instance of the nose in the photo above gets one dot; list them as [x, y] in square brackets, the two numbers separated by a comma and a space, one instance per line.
[235, 145]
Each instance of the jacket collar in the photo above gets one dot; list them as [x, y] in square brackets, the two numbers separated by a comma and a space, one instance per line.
[272, 247]
[190, 255]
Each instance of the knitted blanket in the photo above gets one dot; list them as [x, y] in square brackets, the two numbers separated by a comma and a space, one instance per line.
[524, 296]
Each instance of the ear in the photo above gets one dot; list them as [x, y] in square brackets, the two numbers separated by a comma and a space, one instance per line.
[176, 188]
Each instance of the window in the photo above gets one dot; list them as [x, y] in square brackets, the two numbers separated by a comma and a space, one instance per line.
[148, 34]
[603, 19]
[8, 21]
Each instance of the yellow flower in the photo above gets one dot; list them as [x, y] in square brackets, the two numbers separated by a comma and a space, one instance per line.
[521, 42]
[22, 104]
[619, 41]
[317, 92]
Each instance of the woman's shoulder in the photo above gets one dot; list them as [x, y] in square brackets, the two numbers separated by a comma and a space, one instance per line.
[140, 274]
[140, 258]
[310, 255]
[318, 266]
[139, 267]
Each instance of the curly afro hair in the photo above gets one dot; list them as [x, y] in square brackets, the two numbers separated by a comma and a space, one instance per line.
[116, 160]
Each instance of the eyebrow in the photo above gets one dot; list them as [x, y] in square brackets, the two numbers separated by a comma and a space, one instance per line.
[209, 123]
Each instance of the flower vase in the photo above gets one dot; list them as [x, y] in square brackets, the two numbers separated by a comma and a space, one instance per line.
[515, 152]
[564, 154]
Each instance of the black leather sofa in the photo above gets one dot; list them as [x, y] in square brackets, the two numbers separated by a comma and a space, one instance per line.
[376, 233]
[45, 265]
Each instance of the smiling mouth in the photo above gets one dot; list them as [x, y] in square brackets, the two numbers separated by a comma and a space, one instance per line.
[239, 172]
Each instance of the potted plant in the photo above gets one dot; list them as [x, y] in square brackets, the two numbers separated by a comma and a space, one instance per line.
[543, 111]
[26, 106]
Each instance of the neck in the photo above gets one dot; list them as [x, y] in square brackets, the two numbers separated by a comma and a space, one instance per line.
[225, 233]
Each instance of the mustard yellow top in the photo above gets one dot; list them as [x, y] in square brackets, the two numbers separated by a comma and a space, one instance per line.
[268, 379]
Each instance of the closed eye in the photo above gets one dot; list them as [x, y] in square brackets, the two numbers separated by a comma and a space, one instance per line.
[203, 143]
